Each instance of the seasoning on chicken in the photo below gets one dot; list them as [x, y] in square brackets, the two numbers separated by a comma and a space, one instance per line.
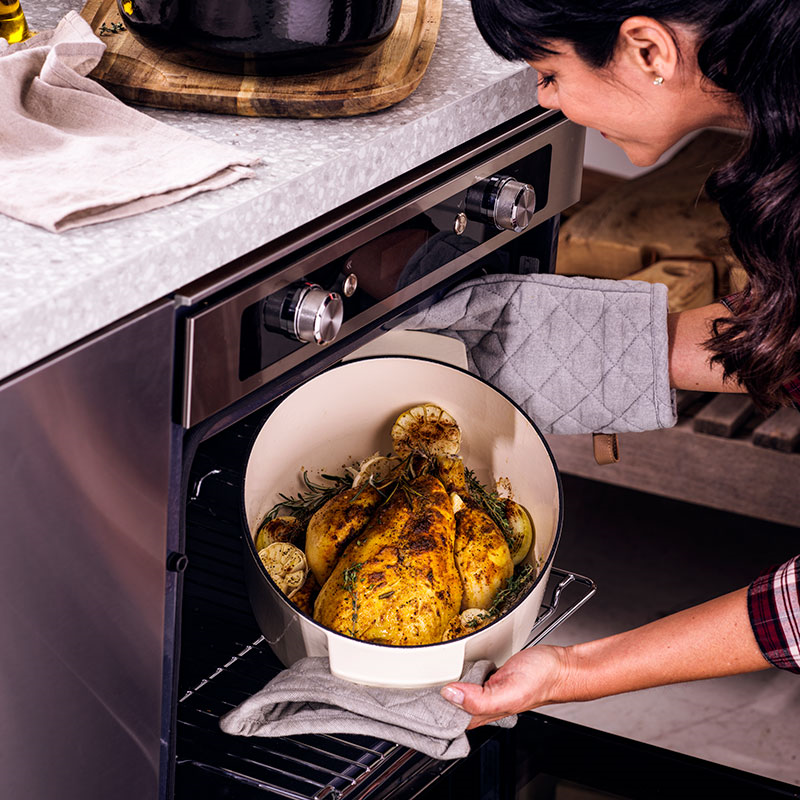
[336, 524]
[482, 557]
[397, 582]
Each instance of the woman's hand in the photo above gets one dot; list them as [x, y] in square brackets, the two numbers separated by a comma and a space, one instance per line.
[527, 680]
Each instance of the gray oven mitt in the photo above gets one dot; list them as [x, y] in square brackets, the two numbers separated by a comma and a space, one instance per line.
[579, 355]
[306, 698]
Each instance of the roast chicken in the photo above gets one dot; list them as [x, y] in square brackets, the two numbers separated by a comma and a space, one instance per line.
[408, 554]
[397, 581]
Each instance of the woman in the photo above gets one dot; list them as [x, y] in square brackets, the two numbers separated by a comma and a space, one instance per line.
[645, 74]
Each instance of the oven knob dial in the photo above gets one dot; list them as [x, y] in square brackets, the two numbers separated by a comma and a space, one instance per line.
[505, 202]
[318, 315]
[307, 312]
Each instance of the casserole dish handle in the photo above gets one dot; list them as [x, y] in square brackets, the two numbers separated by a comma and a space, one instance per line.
[559, 609]
[397, 666]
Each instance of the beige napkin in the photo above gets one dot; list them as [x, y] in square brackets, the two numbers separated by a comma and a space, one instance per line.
[72, 154]
[306, 698]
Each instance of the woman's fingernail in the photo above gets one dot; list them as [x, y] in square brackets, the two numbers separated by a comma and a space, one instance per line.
[453, 695]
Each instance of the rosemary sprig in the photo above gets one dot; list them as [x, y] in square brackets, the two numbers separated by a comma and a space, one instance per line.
[303, 505]
[508, 594]
[349, 577]
[490, 501]
[400, 478]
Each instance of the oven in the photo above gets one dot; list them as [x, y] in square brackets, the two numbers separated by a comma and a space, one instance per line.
[249, 335]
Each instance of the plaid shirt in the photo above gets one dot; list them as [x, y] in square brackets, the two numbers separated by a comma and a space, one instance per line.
[793, 390]
[773, 601]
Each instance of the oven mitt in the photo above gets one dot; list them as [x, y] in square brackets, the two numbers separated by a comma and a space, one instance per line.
[73, 154]
[306, 698]
[579, 355]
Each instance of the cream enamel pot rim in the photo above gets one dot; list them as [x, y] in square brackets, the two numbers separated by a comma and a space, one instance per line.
[345, 414]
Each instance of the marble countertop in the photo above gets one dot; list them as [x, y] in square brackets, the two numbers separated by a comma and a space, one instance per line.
[56, 289]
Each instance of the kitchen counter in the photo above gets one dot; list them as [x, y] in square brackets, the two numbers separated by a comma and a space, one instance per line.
[59, 288]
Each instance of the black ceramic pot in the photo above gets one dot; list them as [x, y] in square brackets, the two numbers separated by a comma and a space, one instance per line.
[262, 36]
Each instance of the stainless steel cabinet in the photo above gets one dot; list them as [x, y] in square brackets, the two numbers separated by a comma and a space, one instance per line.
[84, 475]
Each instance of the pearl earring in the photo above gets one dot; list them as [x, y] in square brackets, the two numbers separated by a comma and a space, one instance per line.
[658, 81]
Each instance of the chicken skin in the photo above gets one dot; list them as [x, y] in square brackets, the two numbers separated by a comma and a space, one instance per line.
[397, 582]
[482, 557]
[336, 524]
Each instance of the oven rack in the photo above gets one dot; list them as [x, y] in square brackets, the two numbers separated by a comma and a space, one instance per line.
[311, 767]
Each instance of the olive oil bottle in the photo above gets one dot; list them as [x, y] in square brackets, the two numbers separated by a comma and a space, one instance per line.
[13, 26]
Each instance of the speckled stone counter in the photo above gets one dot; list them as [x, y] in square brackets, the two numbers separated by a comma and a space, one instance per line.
[56, 289]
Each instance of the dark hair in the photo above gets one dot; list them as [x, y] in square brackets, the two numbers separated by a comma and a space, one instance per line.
[751, 49]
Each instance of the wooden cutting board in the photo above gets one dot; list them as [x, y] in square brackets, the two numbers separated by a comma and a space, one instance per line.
[145, 75]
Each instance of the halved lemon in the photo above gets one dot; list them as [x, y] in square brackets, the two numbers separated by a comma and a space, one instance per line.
[427, 429]
[286, 565]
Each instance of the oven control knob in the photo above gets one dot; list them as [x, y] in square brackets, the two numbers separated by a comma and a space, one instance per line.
[505, 202]
[307, 312]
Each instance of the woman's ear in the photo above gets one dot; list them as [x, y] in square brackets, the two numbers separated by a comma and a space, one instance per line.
[650, 47]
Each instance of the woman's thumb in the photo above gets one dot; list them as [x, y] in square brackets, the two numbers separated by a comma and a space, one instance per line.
[464, 695]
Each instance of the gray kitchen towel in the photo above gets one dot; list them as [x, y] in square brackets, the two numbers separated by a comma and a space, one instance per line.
[73, 154]
[579, 355]
[306, 698]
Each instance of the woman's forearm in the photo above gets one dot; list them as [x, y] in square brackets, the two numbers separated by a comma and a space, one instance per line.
[707, 641]
[689, 365]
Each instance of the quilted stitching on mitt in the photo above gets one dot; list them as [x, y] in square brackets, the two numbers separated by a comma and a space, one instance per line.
[579, 355]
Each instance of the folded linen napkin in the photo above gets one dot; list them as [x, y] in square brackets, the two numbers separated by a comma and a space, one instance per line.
[73, 154]
[306, 698]
[579, 355]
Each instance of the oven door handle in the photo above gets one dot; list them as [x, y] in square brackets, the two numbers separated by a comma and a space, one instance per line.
[559, 609]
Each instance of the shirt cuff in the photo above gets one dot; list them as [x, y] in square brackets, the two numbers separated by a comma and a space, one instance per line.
[773, 602]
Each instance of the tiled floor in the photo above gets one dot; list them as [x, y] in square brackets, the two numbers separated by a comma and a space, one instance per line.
[651, 556]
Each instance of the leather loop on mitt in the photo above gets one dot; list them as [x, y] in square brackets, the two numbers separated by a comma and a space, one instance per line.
[606, 448]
